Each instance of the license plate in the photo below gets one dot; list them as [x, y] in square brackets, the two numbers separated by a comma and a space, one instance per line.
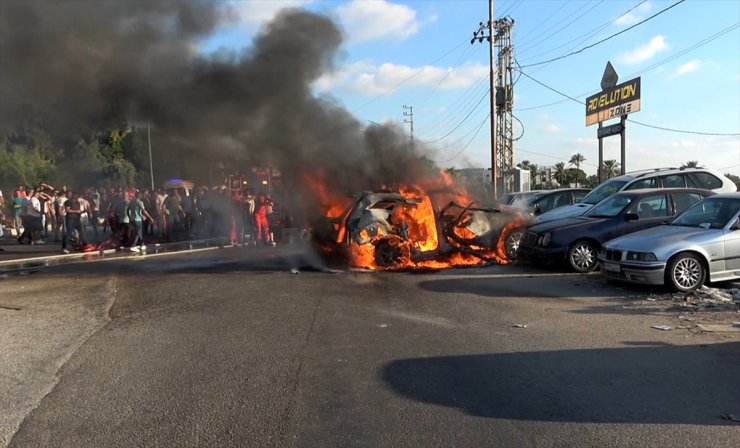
[611, 267]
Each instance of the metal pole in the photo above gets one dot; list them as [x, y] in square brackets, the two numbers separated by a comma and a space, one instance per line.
[151, 166]
[623, 138]
[601, 153]
[492, 86]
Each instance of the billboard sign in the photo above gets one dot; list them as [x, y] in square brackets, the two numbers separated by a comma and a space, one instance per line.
[614, 102]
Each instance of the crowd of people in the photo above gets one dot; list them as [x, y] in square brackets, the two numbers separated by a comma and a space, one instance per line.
[128, 218]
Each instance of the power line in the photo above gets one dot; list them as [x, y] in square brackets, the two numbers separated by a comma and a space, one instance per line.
[716, 134]
[464, 119]
[587, 35]
[447, 75]
[469, 141]
[647, 69]
[593, 6]
[525, 40]
[399, 84]
[457, 109]
[605, 39]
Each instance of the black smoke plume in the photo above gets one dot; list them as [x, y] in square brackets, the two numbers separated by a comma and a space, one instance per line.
[84, 65]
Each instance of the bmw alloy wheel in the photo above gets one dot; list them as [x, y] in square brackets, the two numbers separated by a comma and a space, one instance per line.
[686, 272]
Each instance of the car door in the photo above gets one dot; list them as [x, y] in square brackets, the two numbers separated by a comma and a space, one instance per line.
[651, 210]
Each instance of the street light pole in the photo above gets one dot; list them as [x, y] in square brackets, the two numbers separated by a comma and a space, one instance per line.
[151, 166]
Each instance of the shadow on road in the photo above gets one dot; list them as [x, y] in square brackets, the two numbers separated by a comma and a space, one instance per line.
[525, 285]
[642, 384]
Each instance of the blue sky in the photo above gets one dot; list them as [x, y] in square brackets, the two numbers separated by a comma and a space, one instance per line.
[418, 53]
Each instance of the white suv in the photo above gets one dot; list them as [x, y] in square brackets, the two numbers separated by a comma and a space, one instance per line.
[705, 178]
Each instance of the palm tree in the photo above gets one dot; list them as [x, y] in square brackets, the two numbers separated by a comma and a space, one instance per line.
[610, 168]
[691, 164]
[534, 173]
[560, 174]
[576, 159]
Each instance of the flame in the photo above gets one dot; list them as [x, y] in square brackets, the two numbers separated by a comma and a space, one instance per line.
[419, 221]
[333, 204]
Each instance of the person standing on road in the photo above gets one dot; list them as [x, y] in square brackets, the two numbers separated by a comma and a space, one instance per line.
[72, 220]
[174, 214]
[95, 203]
[59, 231]
[17, 209]
[262, 209]
[159, 199]
[136, 215]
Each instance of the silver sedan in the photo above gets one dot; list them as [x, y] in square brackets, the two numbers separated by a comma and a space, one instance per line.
[701, 244]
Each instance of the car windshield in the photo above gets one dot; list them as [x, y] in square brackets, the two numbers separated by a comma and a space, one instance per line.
[532, 199]
[610, 207]
[714, 212]
[603, 191]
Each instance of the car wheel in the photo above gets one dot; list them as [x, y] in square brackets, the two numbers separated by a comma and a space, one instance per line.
[685, 272]
[512, 241]
[387, 254]
[582, 256]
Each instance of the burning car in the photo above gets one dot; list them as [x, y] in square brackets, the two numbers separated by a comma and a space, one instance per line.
[404, 230]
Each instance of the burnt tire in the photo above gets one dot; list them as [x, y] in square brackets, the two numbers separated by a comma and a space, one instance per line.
[685, 272]
[387, 254]
[582, 256]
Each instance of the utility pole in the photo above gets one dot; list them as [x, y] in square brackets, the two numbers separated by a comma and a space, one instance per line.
[505, 100]
[480, 35]
[410, 119]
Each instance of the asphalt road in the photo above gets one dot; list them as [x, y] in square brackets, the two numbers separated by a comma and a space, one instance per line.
[228, 348]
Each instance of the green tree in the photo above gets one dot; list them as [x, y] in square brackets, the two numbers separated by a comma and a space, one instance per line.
[576, 159]
[691, 164]
[21, 165]
[560, 174]
[576, 176]
[610, 168]
[591, 181]
[119, 172]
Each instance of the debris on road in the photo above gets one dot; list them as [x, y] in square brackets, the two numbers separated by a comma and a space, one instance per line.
[731, 417]
[661, 327]
[712, 328]
[520, 326]
[706, 297]
[295, 271]
[8, 307]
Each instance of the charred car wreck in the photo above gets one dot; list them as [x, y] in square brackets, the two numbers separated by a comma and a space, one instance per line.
[390, 230]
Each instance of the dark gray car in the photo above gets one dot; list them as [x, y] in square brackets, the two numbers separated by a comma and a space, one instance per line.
[577, 240]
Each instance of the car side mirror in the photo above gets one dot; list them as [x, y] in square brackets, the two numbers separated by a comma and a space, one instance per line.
[631, 217]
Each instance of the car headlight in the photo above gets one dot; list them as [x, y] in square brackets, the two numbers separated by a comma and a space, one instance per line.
[544, 239]
[641, 256]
